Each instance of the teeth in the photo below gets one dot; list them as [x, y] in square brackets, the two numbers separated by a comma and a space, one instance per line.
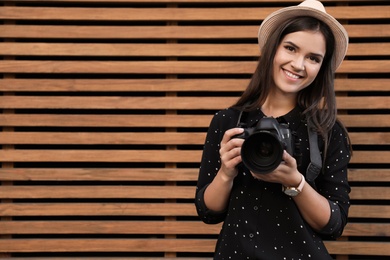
[291, 75]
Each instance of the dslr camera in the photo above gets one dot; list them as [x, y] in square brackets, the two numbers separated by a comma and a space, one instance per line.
[264, 143]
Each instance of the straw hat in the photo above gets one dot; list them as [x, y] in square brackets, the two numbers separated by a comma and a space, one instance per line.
[310, 8]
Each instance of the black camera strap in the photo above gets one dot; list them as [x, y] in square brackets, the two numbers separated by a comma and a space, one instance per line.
[315, 165]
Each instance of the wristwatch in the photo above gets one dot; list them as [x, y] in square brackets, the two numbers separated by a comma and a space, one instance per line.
[294, 191]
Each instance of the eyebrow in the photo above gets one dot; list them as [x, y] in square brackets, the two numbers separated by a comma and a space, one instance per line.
[297, 47]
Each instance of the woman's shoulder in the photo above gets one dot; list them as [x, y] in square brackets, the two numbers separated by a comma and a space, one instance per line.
[339, 129]
[226, 118]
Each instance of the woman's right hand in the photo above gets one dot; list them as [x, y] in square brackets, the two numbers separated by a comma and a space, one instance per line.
[230, 152]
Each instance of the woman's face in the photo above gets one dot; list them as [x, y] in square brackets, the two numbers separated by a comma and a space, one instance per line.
[298, 60]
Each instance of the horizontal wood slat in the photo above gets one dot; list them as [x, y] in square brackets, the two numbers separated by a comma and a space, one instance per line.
[100, 209]
[175, 14]
[165, 85]
[102, 245]
[87, 138]
[143, 209]
[152, 228]
[110, 156]
[358, 248]
[108, 227]
[146, 156]
[111, 174]
[162, 32]
[157, 138]
[167, 67]
[156, 245]
[153, 120]
[109, 192]
[110, 120]
[146, 174]
[182, 103]
[132, 191]
[157, 50]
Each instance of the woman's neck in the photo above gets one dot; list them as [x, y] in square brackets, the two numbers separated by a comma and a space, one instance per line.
[278, 106]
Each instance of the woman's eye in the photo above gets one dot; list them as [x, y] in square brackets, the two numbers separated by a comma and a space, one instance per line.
[289, 48]
[315, 59]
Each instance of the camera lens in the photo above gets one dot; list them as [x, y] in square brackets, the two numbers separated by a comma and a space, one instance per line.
[262, 152]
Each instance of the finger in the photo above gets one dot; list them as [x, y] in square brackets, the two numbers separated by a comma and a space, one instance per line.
[288, 159]
[230, 133]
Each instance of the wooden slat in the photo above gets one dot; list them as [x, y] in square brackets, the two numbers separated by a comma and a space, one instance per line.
[364, 120]
[367, 229]
[107, 245]
[156, 245]
[99, 174]
[138, 103]
[137, 85]
[380, 102]
[157, 50]
[153, 227]
[97, 192]
[369, 175]
[97, 209]
[108, 227]
[182, 103]
[134, 67]
[167, 67]
[370, 157]
[174, 14]
[143, 209]
[368, 138]
[358, 248]
[369, 211]
[146, 174]
[165, 85]
[111, 120]
[146, 156]
[162, 32]
[138, 192]
[109, 156]
[370, 193]
[149, 138]
[138, 50]
[179, 121]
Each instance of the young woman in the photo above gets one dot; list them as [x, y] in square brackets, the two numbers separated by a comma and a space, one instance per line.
[281, 214]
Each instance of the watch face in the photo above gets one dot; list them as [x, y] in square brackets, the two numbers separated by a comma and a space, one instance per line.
[291, 192]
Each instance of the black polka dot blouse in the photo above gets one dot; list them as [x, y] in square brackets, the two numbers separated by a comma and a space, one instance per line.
[261, 222]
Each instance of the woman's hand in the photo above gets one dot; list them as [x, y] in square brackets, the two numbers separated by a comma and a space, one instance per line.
[286, 173]
[230, 152]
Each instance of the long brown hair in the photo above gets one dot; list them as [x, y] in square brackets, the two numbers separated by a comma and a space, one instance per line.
[317, 100]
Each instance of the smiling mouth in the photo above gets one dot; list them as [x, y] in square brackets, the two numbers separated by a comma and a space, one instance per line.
[292, 75]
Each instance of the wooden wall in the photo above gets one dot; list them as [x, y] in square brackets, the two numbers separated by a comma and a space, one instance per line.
[104, 110]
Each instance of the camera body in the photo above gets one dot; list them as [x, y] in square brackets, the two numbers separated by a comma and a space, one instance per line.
[264, 144]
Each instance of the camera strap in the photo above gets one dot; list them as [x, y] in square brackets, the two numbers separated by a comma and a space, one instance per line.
[315, 165]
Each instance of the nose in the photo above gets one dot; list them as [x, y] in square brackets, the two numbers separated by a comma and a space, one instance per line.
[298, 63]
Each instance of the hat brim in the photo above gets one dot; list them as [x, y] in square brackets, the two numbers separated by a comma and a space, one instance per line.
[273, 21]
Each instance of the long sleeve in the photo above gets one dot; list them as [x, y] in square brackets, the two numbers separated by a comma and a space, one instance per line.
[210, 163]
[333, 184]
